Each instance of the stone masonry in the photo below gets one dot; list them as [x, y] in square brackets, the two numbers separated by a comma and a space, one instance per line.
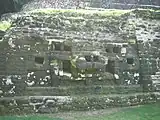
[69, 52]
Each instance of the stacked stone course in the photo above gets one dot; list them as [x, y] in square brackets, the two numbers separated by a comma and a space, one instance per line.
[73, 52]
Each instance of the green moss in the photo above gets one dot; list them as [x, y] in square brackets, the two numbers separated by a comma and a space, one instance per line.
[4, 25]
[81, 12]
[147, 13]
[132, 41]
[144, 13]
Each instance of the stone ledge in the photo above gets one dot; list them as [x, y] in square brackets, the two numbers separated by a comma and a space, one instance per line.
[51, 104]
[74, 90]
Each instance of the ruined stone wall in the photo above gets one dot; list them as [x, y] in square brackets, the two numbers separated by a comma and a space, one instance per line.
[75, 29]
[146, 27]
[52, 47]
[40, 44]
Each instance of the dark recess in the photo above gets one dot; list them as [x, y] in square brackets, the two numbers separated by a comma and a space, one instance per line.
[39, 60]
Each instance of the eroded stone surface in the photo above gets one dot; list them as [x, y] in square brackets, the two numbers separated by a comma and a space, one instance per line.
[42, 44]
[74, 48]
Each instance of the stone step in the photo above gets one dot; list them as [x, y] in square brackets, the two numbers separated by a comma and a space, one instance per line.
[50, 104]
[76, 90]
[68, 20]
[155, 77]
[156, 86]
[156, 81]
[157, 73]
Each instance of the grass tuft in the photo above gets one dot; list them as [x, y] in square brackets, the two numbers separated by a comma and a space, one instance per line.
[4, 25]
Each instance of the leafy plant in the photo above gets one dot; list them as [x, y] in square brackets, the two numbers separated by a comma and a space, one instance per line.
[4, 25]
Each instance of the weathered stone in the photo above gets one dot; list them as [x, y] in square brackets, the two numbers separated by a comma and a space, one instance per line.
[80, 53]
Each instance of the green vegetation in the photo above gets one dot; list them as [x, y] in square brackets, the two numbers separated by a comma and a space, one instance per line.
[4, 25]
[146, 112]
[83, 12]
[28, 118]
[147, 13]
[144, 13]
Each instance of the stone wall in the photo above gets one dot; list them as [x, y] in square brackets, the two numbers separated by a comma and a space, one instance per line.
[69, 37]
[53, 104]
[44, 44]
[103, 56]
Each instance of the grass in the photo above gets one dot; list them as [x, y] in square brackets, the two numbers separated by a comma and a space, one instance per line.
[28, 118]
[4, 25]
[146, 112]
[99, 13]
[110, 12]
